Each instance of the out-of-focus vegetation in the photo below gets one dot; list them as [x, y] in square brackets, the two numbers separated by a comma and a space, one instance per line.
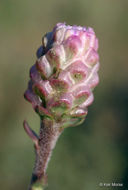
[96, 151]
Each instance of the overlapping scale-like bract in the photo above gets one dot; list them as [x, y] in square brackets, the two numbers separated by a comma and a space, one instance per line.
[64, 75]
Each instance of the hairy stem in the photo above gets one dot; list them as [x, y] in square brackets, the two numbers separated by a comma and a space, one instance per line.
[44, 144]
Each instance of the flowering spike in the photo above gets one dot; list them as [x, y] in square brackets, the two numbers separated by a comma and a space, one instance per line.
[61, 85]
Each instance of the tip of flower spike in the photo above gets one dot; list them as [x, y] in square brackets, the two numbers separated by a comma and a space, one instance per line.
[74, 27]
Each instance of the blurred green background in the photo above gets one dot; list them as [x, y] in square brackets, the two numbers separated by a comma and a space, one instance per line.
[96, 151]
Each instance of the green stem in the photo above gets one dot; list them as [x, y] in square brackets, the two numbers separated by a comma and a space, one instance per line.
[44, 144]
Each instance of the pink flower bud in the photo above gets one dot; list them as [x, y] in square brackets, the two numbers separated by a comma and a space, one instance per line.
[64, 75]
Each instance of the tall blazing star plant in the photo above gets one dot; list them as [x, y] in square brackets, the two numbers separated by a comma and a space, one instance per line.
[60, 89]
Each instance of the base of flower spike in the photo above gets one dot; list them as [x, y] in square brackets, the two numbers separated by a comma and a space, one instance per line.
[44, 144]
